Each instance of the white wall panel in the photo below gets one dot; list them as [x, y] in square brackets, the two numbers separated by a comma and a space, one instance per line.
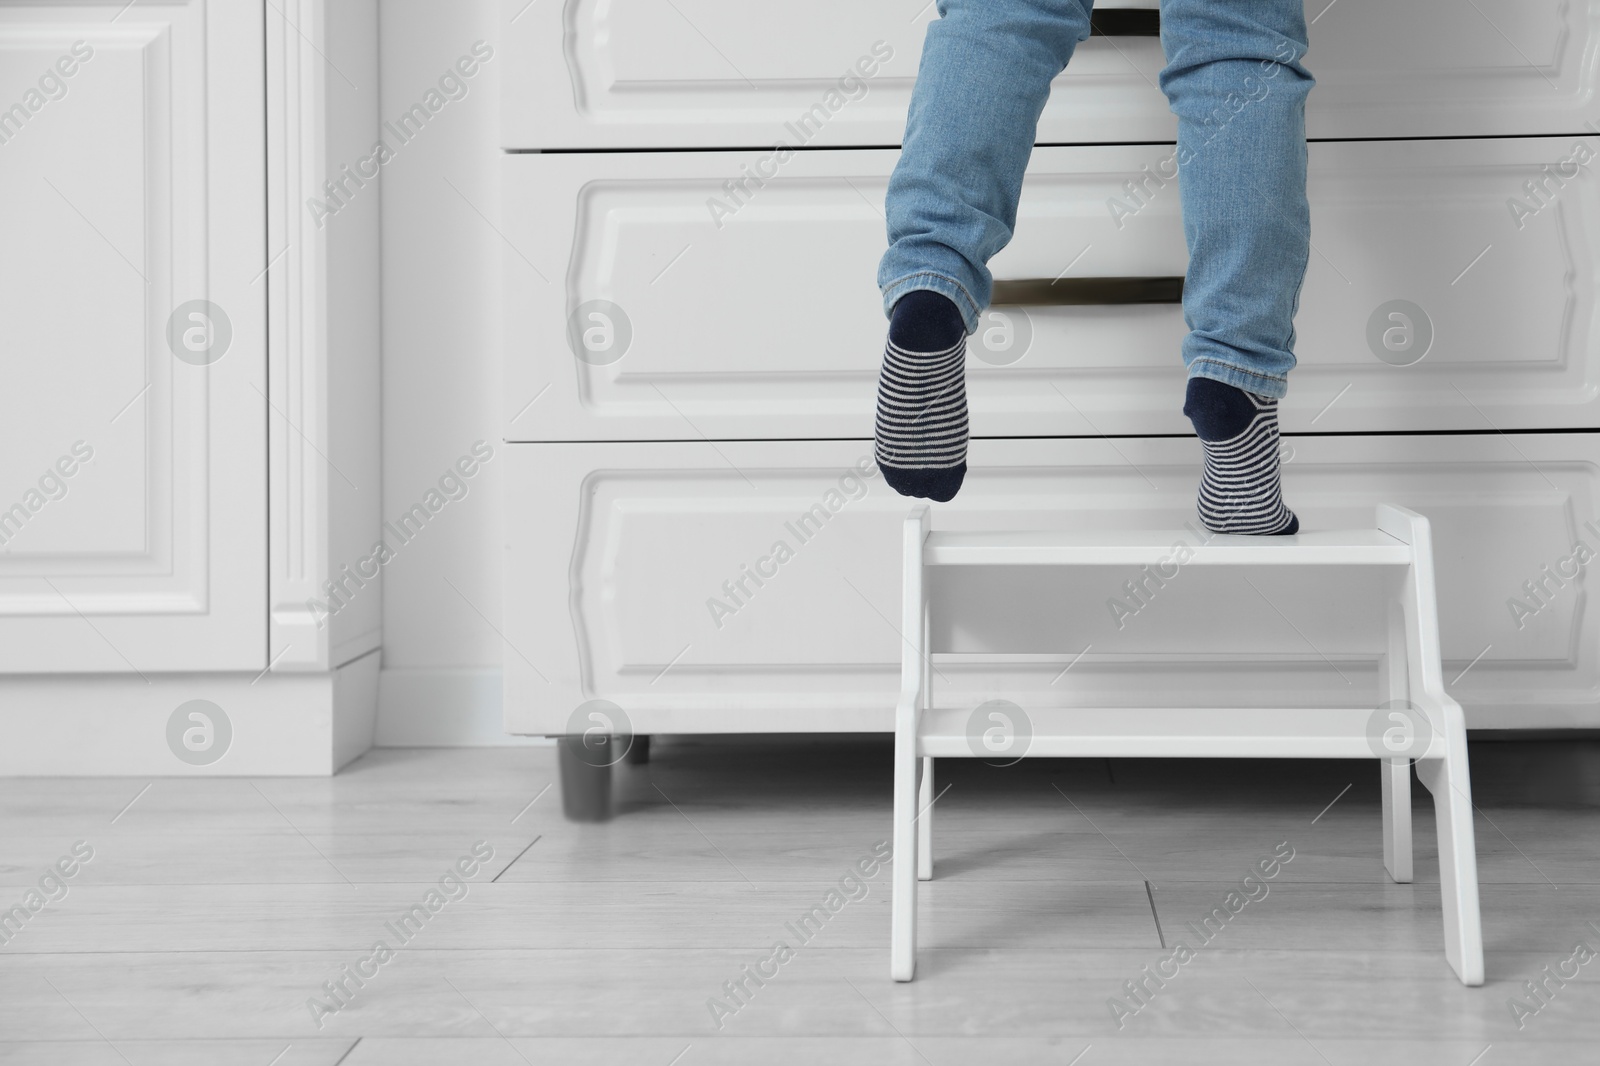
[443, 238]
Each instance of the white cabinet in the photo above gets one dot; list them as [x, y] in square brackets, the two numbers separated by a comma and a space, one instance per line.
[134, 339]
[766, 323]
[178, 481]
[720, 73]
[650, 575]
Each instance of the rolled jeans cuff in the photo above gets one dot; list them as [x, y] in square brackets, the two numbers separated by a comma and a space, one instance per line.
[1275, 387]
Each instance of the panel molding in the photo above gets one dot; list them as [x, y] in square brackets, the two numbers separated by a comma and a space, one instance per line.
[316, 119]
[168, 576]
[297, 87]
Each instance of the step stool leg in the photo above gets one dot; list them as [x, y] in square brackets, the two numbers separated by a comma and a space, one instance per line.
[908, 768]
[1395, 774]
[1448, 780]
[925, 793]
[1396, 779]
[903, 903]
[925, 822]
[1442, 768]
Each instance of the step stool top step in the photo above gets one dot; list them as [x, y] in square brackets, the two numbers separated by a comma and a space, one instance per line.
[1137, 547]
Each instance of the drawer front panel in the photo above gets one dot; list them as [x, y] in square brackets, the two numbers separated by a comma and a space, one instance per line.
[709, 73]
[638, 310]
[629, 579]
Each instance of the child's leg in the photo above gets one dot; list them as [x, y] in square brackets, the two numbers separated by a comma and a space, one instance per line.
[984, 78]
[1235, 81]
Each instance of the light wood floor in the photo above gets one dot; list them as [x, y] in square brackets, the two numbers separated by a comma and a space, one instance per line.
[213, 909]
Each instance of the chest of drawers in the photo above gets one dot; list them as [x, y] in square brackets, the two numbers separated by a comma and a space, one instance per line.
[684, 383]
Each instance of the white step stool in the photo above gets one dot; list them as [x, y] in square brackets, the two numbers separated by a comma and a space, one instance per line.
[1410, 672]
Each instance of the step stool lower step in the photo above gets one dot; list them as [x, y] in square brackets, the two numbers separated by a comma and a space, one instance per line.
[1000, 730]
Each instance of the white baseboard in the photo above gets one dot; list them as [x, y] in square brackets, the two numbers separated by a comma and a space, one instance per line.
[443, 708]
[311, 723]
[91, 725]
[355, 700]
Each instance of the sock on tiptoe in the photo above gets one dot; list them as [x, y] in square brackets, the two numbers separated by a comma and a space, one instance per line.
[1239, 491]
[921, 428]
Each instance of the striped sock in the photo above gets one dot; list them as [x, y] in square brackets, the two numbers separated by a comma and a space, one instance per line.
[921, 427]
[1240, 490]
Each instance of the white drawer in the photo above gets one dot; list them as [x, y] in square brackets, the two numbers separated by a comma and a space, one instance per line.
[616, 550]
[720, 73]
[770, 325]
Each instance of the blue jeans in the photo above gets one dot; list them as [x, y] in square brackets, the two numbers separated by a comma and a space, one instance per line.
[1235, 81]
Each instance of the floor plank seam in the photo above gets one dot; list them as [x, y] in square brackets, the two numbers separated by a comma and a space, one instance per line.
[513, 862]
[1151, 895]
